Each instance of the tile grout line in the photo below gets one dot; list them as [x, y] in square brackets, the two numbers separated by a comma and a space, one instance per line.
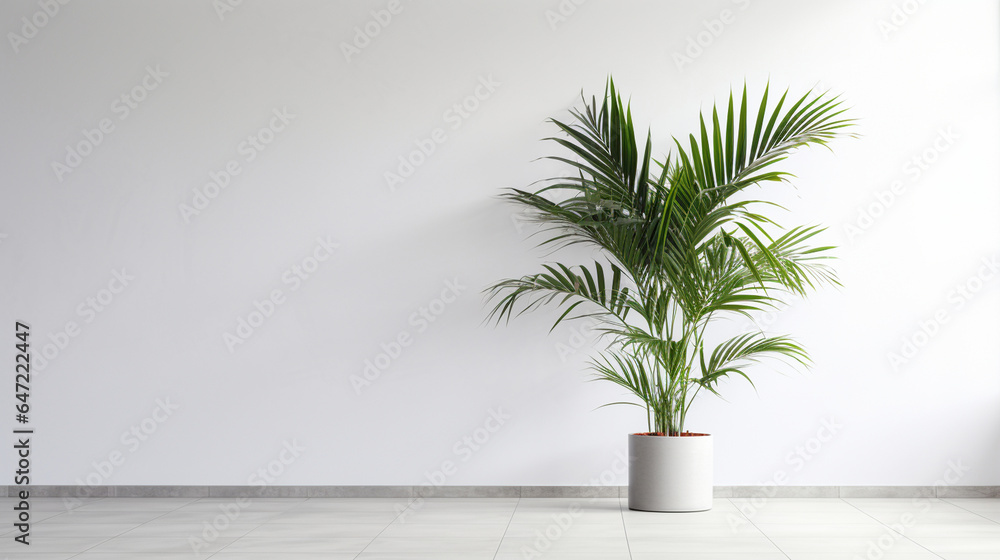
[408, 504]
[256, 526]
[88, 549]
[76, 554]
[70, 510]
[968, 510]
[145, 523]
[903, 535]
[507, 528]
[766, 536]
[621, 512]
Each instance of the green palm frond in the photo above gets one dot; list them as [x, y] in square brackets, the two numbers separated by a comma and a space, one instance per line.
[680, 250]
[608, 298]
[733, 355]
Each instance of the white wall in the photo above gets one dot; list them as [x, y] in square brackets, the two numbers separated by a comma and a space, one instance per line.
[323, 177]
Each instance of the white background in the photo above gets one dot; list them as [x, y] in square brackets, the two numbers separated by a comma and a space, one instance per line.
[323, 176]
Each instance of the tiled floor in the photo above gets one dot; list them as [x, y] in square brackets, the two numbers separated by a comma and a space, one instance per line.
[499, 529]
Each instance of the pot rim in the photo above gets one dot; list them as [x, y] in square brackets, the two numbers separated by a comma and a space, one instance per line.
[662, 435]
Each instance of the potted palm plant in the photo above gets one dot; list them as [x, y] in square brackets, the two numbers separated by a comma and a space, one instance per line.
[680, 249]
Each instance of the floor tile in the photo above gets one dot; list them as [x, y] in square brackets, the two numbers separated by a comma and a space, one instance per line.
[49, 504]
[456, 517]
[188, 555]
[334, 517]
[136, 504]
[774, 555]
[815, 517]
[349, 505]
[196, 530]
[563, 545]
[700, 530]
[508, 529]
[445, 530]
[849, 547]
[804, 530]
[957, 530]
[931, 517]
[976, 504]
[258, 504]
[104, 517]
[572, 529]
[53, 544]
[317, 530]
[299, 544]
[215, 518]
[41, 556]
[384, 545]
[39, 516]
[573, 555]
[180, 545]
[792, 504]
[438, 555]
[966, 545]
[52, 530]
[283, 556]
[716, 545]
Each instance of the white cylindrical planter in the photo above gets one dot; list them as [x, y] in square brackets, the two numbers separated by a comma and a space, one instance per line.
[670, 473]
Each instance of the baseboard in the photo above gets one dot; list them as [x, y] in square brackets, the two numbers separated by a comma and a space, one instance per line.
[415, 492]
